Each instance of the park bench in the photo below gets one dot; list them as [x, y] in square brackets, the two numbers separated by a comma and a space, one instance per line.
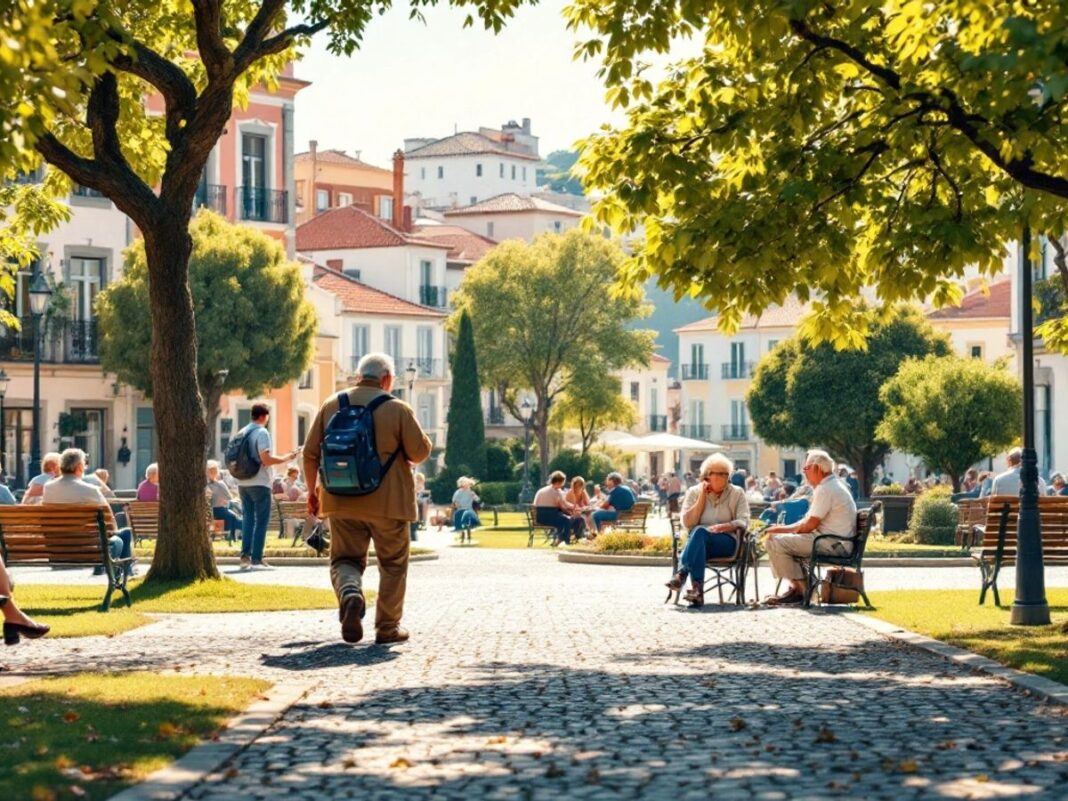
[143, 517]
[730, 572]
[533, 527]
[288, 511]
[632, 519]
[971, 512]
[63, 534]
[996, 540]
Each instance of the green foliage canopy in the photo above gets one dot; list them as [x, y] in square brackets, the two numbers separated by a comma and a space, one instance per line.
[557, 175]
[951, 411]
[815, 149]
[804, 395]
[592, 403]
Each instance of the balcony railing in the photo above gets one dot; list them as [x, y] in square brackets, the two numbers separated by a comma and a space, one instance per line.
[733, 432]
[85, 191]
[435, 296]
[210, 196]
[263, 205]
[62, 342]
[658, 422]
[695, 372]
[696, 431]
[738, 369]
[495, 416]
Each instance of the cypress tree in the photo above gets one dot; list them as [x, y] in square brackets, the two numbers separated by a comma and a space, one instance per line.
[465, 443]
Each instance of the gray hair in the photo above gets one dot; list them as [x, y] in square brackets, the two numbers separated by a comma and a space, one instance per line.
[70, 459]
[715, 460]
[212, 465]
[1015, 456]
[821, 459]
[614, 476]
[376, 365]
[151, 469]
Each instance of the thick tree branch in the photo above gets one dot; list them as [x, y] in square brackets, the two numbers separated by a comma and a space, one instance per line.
[208, 16]
[249, 48]
[179, 93]
[279, 42]
[1060, 259]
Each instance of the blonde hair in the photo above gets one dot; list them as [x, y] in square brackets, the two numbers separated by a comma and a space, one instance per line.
[50, 458]
[465, 482]
[715, 460]
[212, 465]
[578, 482]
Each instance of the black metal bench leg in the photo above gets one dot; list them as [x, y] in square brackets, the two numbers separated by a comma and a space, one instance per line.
[986, 584]
[104, 607]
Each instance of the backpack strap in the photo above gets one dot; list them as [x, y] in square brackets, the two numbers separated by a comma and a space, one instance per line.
[343, 400]
[374, 404]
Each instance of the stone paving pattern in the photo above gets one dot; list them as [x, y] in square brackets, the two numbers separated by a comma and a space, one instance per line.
[531, 679]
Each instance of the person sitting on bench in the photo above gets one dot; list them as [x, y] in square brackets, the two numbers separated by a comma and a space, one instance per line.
[620, 498]
[712, 511]
[833, 511]
[552, 509]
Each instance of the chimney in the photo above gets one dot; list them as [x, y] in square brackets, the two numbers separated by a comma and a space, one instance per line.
[398, 192]
[526, 125]
[407, 218]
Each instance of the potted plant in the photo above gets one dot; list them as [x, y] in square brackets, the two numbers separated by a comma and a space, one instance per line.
[897, 506]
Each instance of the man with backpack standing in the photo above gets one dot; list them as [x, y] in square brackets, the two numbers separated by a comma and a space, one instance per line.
[357, 463]
[249, 459]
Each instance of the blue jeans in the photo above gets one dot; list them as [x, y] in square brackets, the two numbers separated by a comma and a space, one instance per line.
[233, 522]
[463, 519]
[565, 526]
[120, 545]
[701, 546]
[256, 508]
[604, 516]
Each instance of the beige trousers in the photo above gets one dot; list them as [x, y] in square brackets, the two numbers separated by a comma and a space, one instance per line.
[784, 549]
[349, 543]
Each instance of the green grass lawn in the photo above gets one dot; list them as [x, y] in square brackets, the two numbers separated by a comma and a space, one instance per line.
[72, 610]
[956, 617]
[885, 549]
[275, 548]
[88, 736]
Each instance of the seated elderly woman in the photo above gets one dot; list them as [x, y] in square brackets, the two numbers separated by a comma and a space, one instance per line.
[221, 498]
[464, 516]
[712, 511]
[17, 624]
[551, 508]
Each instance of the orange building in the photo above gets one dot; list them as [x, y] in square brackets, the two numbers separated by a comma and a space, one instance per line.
[331, 179]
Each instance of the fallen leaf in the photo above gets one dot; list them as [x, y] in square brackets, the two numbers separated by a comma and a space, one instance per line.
[825, 735]
[982, 778]
[168, 730]
[348, 763]
[737, 724]
[908, 766]
[42, 793]
[70, 716]
[496, 740]
[230, 773]
[325, 705]
[62, 762]
[400, 763]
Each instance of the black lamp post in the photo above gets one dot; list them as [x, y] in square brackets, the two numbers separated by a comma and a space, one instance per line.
[410, 373]
[1030, 607]
[526, 413]
[3, 426]
[40, 292]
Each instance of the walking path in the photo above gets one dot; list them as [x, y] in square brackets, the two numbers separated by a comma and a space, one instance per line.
[530, 679]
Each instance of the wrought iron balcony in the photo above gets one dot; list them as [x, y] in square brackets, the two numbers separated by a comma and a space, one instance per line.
[263, 205]
[734, 432]
[738, 369]
[495, 416]
[62, 342]
[695, 372]
[696, 431]
[658, 422]
[210, 196]
[434, 296]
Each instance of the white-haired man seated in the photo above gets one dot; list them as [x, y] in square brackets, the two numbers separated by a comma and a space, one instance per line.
[833, 511]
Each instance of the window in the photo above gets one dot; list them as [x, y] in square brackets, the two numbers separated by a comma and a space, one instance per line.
[307, 379]
[425, 350]
[425, 410]
[738, 419]
[697, 356]
[299, 186]
[772, 343]
[86, 276]
[302, 428]
[478, 170]
[976, 351]
[474, 200]
[737, 359]
[441, 172]
[489, 230]
[344, 199]
[426, 272]
[385, 208]
[361, 335]
[352, 273]
[635, 391]
[557, 226]
[322, 199]
[393, 345]
[422, 173]
[697, 413]
[254, 161]
[653, 405]
[789, 468]
[513, 172]
[524, 173]
[501, 165]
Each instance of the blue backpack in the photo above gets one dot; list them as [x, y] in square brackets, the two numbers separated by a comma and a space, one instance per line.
[350, 462]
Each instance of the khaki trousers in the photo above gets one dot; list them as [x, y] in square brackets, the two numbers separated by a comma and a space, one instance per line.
[783, 550]
[349, 542]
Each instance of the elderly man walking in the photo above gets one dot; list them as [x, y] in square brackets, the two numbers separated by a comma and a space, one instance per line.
[833, 511]
[381, 516]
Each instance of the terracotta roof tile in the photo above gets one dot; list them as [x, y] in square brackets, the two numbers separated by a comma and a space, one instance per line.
[662, 359]
[356, 296]
[349, 227]
[464, 246]
[510, 202]
[338, 157]
[467, 143]
[977, 305]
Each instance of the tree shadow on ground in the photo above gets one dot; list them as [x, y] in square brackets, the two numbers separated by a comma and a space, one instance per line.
[736, 719]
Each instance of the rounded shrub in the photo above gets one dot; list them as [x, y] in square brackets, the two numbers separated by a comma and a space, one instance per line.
[499, 462]
[888, 489]
[591, 466]
[934, 518]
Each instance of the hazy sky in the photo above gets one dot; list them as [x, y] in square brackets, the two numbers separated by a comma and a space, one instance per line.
[412, 79]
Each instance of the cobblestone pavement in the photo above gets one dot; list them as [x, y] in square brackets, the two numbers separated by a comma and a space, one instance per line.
[530, 679]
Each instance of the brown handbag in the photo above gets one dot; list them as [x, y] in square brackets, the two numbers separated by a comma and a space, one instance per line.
[842, 585]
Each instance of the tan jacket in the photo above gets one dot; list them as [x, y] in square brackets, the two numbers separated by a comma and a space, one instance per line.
[395, 425]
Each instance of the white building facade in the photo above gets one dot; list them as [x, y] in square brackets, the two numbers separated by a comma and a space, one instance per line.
[514, 216]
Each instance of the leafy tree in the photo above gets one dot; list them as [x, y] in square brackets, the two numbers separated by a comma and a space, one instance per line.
[817, 148]
[806, 395]
[951, 411]
[500, 466]
[556, 172]
[590, 465]
[592, 403]
[251, 315]
[76, 77]
[543, 313]
[465, 445]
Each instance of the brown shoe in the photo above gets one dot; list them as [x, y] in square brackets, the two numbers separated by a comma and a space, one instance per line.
[396, 635]
[351, 614]
[791, 598]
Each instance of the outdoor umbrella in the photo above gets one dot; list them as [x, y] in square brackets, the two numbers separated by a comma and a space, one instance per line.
[665, 442]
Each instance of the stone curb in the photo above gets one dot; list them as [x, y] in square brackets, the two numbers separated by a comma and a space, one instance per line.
[1051, 690]
[665, 561]
[173, 781]
[322, 561]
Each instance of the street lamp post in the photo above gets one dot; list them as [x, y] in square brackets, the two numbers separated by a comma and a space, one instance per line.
[3, 426]
[40, 292]
[526, 413]
[410, 373]
[1030, 607]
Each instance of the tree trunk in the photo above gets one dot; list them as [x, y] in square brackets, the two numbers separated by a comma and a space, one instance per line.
[956, 481]
[211, 398]
[542, 432]
[183, 550]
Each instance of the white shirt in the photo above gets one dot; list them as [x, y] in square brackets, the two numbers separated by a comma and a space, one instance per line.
[68, 489]
[1008, 483]
[833, 504]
